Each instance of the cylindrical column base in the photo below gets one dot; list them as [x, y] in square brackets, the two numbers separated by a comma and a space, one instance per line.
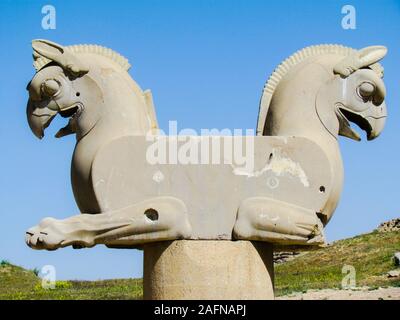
[208, 270]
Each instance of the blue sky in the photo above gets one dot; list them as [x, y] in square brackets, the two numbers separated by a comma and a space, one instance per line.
[206, 63]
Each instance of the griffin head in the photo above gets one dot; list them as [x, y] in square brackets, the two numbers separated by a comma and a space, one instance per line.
[361, 93]
[57, 88]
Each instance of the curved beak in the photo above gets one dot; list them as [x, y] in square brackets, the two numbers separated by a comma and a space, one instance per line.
[372, 121]
[39, 117]
[377, 121]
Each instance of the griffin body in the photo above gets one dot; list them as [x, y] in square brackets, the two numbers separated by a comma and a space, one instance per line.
[127, 201]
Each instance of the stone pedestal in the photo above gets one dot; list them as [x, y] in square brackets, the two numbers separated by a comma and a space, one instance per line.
[208, 270]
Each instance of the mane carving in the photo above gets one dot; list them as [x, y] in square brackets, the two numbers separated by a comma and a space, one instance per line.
[284, 68]
[40, 61]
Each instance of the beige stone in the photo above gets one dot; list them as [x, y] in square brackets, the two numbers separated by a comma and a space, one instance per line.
[316, 93]
[285, 198]
[189, 269]
[127, 201]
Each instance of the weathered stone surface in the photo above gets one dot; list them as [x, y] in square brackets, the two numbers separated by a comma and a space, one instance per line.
[397, 258]
[285, 256]
[389, 226]
[190, 269]
[393, 274]
[286, 198]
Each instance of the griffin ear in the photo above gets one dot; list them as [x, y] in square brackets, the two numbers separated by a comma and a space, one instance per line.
[60, 55]
[371, 55]
[47, 49]
[360, 59]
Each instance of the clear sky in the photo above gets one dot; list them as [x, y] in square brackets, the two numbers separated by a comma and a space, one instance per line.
[206, 63]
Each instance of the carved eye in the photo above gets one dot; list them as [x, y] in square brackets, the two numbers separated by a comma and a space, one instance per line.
[50, 88]
[366, 89]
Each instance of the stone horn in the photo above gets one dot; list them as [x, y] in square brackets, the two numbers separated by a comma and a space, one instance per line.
[57, 53]
[360, 59]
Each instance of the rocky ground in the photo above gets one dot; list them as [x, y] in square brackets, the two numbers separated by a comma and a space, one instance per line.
[354, 294]
[389, 226]
[360, 293]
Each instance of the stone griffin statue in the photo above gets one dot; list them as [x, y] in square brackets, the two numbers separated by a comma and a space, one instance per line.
[309, 100]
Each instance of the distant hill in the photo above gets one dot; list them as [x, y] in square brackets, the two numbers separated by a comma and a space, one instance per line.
[371, 255]
[15, 281]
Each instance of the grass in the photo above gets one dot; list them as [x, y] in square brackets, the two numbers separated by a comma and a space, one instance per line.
[370, 254]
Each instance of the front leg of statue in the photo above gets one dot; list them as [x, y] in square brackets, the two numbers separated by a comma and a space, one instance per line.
[266, 219]
[156, 219]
